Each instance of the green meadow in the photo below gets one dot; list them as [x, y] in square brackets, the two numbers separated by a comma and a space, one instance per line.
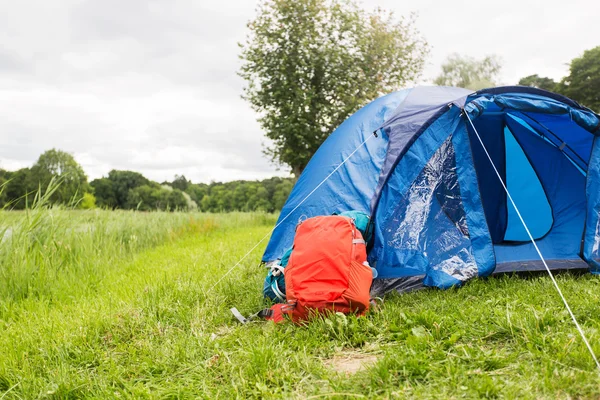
[118, 304]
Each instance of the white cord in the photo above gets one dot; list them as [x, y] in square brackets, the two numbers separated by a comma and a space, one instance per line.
[291, 212]
[535, 245]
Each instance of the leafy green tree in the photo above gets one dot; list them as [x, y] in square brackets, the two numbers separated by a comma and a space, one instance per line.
[469, 73]
[143, 198]
[57, 164]
[583, 82]
[18, 191]
[191, 205]
[176, 201]
[282, 192]
[207, 204]
[104, 192]
[539, 82]
[123, 182]
[259, 201]
[238, 196]
[4, 179]
[197, 191]
[222, 199]
[309, 64]
[87, 202]
[180, 182]
[155, 197]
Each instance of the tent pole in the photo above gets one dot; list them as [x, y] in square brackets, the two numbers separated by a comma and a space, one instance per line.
[464, 112]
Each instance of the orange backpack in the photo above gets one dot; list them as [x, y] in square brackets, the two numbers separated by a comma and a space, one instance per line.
[327, 270]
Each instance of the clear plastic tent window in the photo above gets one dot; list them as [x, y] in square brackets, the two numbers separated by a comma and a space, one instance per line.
[428, 227]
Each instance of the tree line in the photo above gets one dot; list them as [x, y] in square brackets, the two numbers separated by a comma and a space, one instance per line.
[131, 190]
[57, 172]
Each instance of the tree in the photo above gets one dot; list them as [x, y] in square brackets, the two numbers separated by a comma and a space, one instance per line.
[223, 198]
[176, 201]
[539, 82]
[583, 82]
[57, 164]
[190, 204]
[4, 179]
[197, 191]
[87, 202]
[155, 197]
[259, 201]
[309, 64]
[143, 198]
[104, 192]
[207, 204]
[123, 182]
[282, 192]
[240, 196]
[180, 182]
[17, 190]
[469, 73]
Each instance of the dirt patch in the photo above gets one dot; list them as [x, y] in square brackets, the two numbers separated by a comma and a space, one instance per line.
[351, 362]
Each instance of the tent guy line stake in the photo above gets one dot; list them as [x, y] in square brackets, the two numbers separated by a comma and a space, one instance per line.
[374, 134]
[535, 244]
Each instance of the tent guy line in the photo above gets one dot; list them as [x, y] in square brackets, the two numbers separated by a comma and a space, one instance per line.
[374, 134]
[534, 243]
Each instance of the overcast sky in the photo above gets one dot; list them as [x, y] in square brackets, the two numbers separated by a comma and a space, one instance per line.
[151, 86]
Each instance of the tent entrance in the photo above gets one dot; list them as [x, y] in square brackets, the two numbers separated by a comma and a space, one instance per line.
[528, 194]
[545, 183]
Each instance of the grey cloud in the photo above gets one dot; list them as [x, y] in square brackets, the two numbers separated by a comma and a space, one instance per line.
[183, 41]
[11, 62]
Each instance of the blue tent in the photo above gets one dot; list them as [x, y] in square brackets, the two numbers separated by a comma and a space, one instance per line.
[441, 215]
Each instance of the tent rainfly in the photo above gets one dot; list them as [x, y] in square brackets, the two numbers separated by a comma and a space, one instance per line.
[436, 168]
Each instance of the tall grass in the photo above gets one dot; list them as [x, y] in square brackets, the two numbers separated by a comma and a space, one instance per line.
[52, 252]
[47, 250]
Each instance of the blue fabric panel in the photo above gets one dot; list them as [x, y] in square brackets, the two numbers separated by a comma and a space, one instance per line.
[352, 186]
[527, 193]
[565, 190]
[409, 120]
[577, 138]
[542, 132]
[490, 127]
[591, 245]
[420, 232]
[481, 241]
[440, 279]
[587, 120]
[420, 227]
[528, 91]
[534, 103]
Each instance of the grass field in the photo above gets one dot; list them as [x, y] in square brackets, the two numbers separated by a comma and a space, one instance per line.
[97, 304]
